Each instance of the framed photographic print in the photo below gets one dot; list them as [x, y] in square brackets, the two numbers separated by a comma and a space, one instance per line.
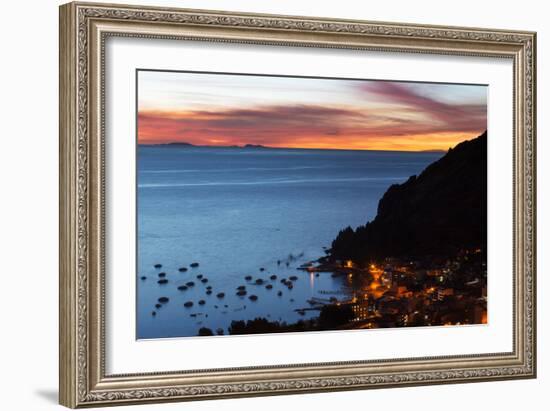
[259, 204]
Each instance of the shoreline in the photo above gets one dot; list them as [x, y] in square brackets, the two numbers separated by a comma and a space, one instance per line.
[389, 294]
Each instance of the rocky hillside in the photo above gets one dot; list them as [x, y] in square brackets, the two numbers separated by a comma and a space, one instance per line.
[436, 213]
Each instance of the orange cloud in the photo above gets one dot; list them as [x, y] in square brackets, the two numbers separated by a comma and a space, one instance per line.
[307, 126]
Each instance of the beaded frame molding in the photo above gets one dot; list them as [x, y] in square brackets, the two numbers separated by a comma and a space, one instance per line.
[84, 27]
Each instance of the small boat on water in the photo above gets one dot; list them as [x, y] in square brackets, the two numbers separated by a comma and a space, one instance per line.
[318, 301]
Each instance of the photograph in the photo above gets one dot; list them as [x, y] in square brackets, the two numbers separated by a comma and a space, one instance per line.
[275, 204]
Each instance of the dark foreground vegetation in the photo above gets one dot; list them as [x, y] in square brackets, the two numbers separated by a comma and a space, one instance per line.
[331, 317]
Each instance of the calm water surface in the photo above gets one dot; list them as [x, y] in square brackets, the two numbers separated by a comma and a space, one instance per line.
[235, 211]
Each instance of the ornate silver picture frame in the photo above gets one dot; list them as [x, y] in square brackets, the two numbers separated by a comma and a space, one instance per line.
[84, 30]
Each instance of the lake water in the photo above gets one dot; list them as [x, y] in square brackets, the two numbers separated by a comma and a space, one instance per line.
[236, 210]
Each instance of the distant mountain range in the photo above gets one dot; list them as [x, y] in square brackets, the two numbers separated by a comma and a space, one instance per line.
[185, 144]
[439, 212]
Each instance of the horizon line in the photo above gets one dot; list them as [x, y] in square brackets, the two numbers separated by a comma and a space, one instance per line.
[259, 146]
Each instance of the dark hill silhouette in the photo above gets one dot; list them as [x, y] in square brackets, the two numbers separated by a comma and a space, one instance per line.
[439, 212]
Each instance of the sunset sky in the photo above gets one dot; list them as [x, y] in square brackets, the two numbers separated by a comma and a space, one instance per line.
[221, 110]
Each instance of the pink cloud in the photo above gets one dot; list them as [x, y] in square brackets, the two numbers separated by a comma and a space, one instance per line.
[456, 117]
